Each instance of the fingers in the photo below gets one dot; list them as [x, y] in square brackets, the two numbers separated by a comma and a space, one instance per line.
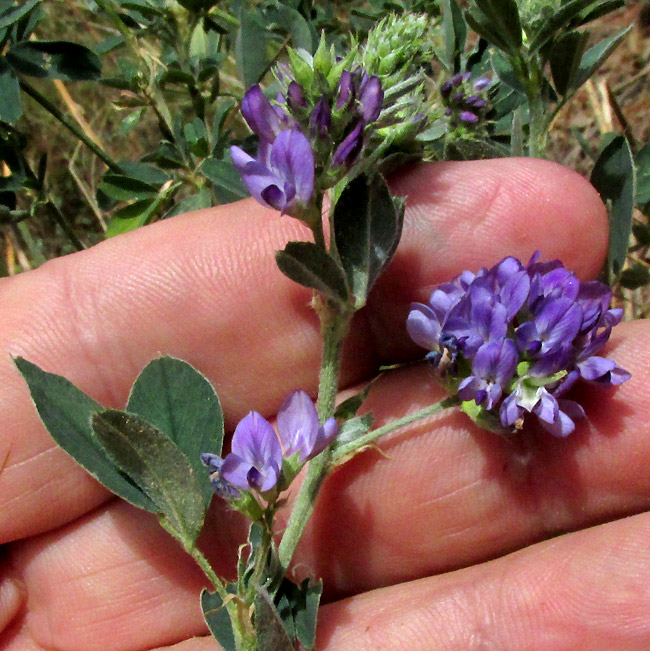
[587, 590]
[444, 494]
[112, 580]
[204, 287]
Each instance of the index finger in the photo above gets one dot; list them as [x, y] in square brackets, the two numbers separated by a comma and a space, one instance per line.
[204, 287]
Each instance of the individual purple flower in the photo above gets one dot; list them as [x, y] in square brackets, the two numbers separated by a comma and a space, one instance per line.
[371, 98]
[468, 117]
[285, 181]
[320, 120]
[492, 369]
[295, 97]
[261, 117]
[516, 339]
[346, 91]
[257, 455]
[255, 460]
[350, 148]
[481, 83]
[299, 430]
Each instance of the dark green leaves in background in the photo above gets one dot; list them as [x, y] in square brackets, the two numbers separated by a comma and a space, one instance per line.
[614, 176]
[149, 455]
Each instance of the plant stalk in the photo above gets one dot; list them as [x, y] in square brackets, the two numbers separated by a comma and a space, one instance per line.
[334, 325]
[71, 126]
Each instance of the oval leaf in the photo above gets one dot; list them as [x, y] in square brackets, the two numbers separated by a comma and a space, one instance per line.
[157, 466]
[614, 177]
[180, 401]
[66, 412]
[367, 228]
[310, 266]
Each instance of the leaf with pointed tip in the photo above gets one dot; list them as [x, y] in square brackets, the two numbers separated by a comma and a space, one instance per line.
[564, 16]
[158, 467]
[271, 632]
[614, 176]
[594, 57]
[503, 16]
[66, 412]
[455, 34]
[309, 265]
[565, 57]
[173, 396]
[217, 618]
[367, 228]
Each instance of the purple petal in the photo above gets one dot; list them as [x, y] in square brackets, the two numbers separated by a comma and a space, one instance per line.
[510, 410]
[259, 113]
[371, 98]
[255, 442]
[546, 408]
[595, 367]
[481, 83]
[235, 471]
[468, 117]
[346, 90]
[320, 120]
[258, 179]
[348, 151]
[297, 424]
[295, 98]
[293, 160]
[423, 326]
[326, 435]
[240, 158]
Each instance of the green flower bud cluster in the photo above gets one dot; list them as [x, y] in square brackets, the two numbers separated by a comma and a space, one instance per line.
[398, 50]
[397, 45]
[535, 12]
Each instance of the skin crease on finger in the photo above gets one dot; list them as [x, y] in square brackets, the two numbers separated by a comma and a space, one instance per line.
[454, 513]
[184, 286]
[409, 258]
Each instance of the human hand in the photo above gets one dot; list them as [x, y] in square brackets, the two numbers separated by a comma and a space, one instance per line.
[85, 571]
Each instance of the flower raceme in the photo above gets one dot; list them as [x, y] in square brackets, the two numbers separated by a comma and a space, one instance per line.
[305, 130]
[512, 340]
[261, 459]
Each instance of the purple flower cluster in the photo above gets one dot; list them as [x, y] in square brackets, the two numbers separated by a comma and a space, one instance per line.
[513, 339]
[261, 460]
[303, 131]
[466, 103]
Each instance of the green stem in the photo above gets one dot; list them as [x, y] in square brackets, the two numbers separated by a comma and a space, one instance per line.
[334, 326]
[373, 435]
[242, 638]
[64, 224]
[68, 124]
[204, 564]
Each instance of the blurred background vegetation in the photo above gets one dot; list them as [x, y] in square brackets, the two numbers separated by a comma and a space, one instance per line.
[115, 113]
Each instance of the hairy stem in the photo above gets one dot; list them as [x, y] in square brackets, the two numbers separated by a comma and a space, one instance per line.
[334, 326]
[374, 434]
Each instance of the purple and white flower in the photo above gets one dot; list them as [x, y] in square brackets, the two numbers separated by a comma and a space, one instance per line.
[282, 177]
[519, 338]
[257, 453]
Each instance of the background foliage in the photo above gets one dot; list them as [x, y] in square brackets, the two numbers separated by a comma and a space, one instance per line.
[116, 113]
